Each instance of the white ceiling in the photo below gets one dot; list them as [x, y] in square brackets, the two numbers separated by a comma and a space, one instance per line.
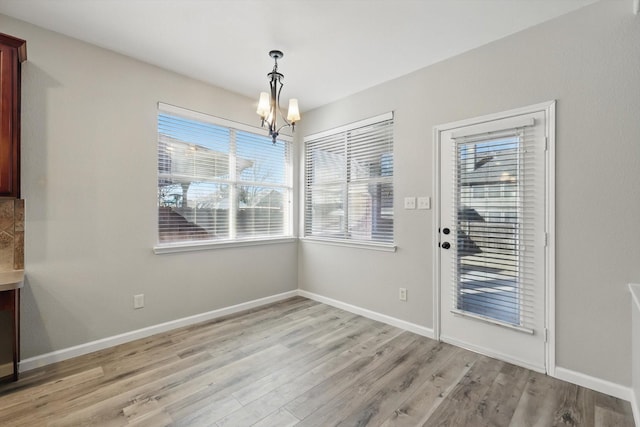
[332, 48]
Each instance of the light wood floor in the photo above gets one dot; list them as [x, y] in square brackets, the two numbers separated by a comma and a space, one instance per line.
[297, 363]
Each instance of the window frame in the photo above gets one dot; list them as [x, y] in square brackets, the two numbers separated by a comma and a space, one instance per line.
[288, 187]
[304, 180]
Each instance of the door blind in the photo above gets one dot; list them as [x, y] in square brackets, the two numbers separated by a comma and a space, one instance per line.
[494, 216]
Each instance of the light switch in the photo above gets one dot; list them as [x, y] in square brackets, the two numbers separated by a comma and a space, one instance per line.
[424, 202]
[409, 202]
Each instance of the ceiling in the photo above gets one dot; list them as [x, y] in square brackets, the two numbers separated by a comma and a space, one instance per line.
[332, 48]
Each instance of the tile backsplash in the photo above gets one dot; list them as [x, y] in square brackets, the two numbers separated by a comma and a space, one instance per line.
[11, 234]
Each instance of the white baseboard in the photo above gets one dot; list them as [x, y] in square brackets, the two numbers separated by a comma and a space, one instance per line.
[402, 324]
[634, 407]
[90, 347]
[603, 386]
[597, 384]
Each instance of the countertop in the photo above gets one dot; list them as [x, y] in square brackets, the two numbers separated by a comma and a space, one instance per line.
[10, 280]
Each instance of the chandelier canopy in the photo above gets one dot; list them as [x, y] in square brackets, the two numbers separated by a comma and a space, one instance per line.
[269, 103]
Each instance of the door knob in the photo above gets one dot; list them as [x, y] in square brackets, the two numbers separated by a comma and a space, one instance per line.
[446, 245]
[446, 231]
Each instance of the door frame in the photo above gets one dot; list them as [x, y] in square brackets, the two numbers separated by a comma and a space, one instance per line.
[549, 108]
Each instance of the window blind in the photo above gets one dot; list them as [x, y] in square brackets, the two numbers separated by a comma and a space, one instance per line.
[219, 183]
[349, 182]
[495, 216]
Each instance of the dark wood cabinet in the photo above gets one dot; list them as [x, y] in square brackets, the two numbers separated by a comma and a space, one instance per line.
[13, 52]
[10, 302]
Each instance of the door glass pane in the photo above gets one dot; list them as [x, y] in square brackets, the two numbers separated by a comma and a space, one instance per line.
[487, 217]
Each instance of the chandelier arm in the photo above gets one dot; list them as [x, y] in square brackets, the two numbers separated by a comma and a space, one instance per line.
[284, 119]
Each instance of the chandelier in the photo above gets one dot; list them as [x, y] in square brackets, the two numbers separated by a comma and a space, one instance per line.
[269, 103]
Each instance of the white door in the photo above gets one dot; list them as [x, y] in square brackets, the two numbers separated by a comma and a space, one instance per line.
[493, 233]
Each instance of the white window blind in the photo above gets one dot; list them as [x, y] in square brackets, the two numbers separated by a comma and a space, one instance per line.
[349, 182]
[218, 181]
[495, 216]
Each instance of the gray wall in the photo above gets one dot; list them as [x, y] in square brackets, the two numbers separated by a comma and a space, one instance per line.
[89, 168]
[589, 61]
[89, 181]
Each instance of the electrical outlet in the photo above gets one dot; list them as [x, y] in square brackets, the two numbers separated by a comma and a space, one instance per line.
[402, 294]
[138, 301]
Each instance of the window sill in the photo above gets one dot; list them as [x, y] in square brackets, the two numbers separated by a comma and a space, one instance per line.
[384, 247]
[205, 246]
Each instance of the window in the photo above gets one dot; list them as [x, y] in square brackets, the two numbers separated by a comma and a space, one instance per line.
[349, 183]
[218, 181]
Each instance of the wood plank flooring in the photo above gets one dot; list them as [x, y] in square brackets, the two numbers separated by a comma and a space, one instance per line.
[297, 363]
